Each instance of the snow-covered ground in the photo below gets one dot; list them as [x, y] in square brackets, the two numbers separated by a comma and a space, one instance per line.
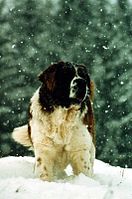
[17, 181]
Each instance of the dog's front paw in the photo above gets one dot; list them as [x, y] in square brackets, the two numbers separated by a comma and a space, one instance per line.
[81, 163]
[43, 171]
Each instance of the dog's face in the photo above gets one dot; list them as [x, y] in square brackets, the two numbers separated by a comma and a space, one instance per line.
[66, 82]
[80, 84]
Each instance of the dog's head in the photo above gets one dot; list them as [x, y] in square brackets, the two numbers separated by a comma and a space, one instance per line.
[66, 83]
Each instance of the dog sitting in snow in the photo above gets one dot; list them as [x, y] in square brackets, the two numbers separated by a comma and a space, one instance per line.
[61, 122]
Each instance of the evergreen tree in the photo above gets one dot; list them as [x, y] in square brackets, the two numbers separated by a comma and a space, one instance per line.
[113, 139]
[123, 91]
[20, 64]
[5, 58]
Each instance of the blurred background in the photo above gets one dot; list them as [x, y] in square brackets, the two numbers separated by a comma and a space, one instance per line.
[34, 34]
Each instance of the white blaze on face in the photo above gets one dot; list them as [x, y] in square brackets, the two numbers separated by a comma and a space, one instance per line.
[74, 86]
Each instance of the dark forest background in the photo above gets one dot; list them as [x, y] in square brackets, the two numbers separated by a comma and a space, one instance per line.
[33, 34]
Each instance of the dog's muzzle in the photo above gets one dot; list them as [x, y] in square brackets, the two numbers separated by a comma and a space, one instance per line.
[78, 89]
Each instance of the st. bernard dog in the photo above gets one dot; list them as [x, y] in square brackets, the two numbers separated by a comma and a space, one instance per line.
[61, 122]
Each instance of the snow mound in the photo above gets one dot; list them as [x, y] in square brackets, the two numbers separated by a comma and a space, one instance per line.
[17, 181]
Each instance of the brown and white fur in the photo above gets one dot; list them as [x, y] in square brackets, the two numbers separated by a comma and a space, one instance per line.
[63, 132]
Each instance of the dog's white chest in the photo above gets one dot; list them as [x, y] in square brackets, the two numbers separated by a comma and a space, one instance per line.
[62, 124]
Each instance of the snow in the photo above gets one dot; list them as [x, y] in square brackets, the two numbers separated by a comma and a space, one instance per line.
[17, 181]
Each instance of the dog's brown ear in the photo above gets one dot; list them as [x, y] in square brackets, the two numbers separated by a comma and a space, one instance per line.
[89, 116]
[92, 90]
[89, 120]
[48, 77]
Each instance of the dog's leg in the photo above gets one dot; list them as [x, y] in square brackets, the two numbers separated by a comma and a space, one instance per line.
[45, 158]
[60, 164]
[82, 162]
[81, 152]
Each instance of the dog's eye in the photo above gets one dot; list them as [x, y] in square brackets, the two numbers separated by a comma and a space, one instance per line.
[68, 71]
[82, 73]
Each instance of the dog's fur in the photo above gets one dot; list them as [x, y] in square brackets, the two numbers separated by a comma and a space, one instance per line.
[61, 122]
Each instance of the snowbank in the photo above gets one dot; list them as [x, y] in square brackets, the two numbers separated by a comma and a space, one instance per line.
[17, 181]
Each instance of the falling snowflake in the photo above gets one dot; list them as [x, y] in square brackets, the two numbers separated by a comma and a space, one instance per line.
[13, 46]
[105, 47]
[121, 82]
